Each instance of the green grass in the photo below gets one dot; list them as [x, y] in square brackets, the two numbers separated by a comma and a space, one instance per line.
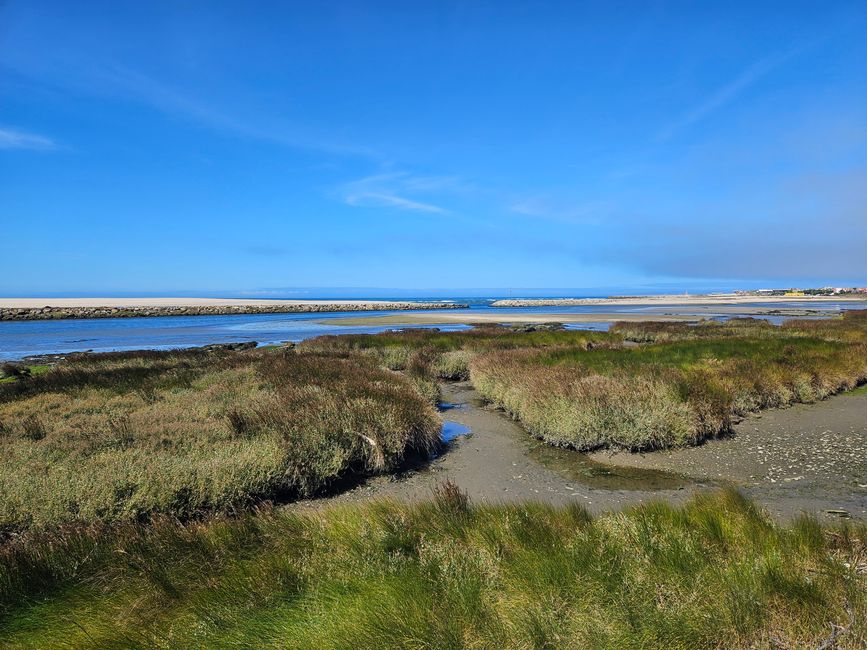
[124, 436]
[448, 354]
[483, 337]
[850, 326]
[32, 370]
[442, 574]
[861, 390]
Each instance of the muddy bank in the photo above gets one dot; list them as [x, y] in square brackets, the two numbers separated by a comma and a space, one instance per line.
[498, 462]
[32, 309]
[806, 458]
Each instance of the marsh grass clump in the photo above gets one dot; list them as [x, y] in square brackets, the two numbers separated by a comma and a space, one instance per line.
[448, 497]
[450, 352]
[14, 371]
[714, 573]
[32, 428]
[850, 327]
[580, 389]
[239, 421]
[131, 435]
[453, 365]
[478, 338]
[662, 332]
[664, 394]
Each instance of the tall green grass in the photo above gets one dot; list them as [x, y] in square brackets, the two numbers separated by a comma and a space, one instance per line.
[124, 436]
[714, 573]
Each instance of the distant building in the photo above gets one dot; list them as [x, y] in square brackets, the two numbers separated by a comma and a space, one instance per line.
[794, 292]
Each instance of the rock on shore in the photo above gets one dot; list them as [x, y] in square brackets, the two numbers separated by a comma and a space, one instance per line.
[52, 313]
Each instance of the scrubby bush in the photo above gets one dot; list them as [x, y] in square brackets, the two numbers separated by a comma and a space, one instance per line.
[14, 371]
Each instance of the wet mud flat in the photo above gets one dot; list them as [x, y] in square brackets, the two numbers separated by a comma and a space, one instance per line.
[806, 458]
[493, 459]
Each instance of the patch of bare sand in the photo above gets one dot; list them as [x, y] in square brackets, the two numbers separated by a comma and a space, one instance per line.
[806, 457]
[698, 299]
[467, 318]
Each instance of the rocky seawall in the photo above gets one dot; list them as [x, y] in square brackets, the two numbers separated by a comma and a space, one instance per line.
[57, 313]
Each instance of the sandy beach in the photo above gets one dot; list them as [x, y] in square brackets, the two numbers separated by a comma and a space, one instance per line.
[682, 299]
[683, 313]
[443, 318]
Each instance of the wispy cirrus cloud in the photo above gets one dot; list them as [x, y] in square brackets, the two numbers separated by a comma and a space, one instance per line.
[400, 190]
[179, 99]
[727, 93]
[376, 199]
[167, 99]
[561, 210]
[15, 139]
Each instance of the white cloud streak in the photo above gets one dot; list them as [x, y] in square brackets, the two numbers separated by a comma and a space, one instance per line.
[171, 102]
[397, 190]
[14, 139]
[727, 93]
[561, 210]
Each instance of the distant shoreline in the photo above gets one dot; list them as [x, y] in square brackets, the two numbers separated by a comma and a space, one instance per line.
[677, 313]
[698, 299]
[20, 309]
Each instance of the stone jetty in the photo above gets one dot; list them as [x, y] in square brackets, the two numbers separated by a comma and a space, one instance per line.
[49, 312]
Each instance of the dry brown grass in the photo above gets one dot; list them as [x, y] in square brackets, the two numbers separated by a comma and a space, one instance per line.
[665, 394]
[124, 436]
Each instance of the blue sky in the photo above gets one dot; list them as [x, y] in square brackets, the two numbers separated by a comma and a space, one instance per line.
[218, 146]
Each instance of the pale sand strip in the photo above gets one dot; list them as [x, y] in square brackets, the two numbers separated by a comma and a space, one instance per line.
[443, 318]
[698, 299]
[123, 303]
[691, 314]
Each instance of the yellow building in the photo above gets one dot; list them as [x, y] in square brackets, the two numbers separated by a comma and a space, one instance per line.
[794, 293]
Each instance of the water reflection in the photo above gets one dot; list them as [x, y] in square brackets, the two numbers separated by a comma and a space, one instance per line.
[452, 430]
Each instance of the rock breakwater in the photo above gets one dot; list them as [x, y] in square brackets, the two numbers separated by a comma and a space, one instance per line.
[49, 312]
